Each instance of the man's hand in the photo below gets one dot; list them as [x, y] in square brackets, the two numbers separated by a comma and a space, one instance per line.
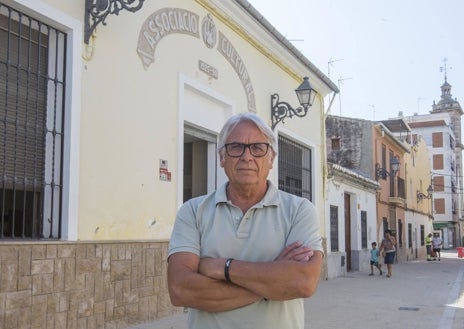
[188, 287]
[214, 267]
[296, 251]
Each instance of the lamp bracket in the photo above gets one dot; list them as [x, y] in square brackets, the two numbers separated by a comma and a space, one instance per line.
[381, 172]
[421, 196]
[96, 12]
[282, 110]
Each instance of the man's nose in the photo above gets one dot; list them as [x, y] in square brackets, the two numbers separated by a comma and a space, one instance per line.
[247, 152]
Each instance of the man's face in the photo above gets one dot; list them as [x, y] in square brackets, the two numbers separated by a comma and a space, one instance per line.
[247, 170]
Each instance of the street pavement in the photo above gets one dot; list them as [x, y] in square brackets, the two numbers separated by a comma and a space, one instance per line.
[420, 294]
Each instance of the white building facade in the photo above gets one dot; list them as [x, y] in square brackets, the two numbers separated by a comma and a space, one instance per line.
[111, 117]
[133, 108]
[441, 131]
[350, 221]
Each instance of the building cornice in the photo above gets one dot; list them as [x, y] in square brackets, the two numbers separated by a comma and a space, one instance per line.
[338, 171]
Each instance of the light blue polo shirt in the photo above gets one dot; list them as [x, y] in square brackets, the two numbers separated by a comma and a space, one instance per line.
[211, 226]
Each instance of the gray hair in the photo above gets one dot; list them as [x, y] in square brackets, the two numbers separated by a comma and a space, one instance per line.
[234, 120]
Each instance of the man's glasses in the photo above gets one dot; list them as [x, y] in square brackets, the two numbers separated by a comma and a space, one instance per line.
[236, 150]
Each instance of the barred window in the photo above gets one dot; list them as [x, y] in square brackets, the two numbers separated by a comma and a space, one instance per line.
[422, 235]
[363, 229]
[410, 235]
[295, 174]
[334, 228]
[32, 72]
[400, 233]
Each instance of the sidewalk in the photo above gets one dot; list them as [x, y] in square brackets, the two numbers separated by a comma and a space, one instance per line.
[420, 294]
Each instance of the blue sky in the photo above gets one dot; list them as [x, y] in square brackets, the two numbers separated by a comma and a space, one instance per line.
[386, 55]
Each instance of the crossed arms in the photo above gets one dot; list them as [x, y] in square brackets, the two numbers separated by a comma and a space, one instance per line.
[200, 283]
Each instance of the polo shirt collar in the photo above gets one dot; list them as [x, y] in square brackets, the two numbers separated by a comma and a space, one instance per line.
[270, 198]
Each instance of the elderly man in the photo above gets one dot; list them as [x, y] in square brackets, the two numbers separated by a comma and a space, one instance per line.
[246, 255]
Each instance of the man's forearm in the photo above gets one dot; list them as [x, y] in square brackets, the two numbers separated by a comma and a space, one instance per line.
[277, 280]
[189, 288]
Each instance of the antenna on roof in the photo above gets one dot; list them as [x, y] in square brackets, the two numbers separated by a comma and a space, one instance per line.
[419, 99]
[330, 63]
[373, 111]
[340, 92]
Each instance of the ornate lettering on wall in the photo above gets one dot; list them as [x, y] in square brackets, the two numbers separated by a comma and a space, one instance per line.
[226, 48]
[209, 31]
[168, 21]
[161, 23]
[208, 69]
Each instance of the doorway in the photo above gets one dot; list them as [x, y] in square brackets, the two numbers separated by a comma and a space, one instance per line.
[200, 159]
[347, 200]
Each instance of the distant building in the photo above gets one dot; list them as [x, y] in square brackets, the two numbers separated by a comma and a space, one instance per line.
[414, 222]
[441, 130]
[368, 150]
[350, 220]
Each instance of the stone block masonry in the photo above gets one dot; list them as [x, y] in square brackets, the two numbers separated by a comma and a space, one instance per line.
[83, 285]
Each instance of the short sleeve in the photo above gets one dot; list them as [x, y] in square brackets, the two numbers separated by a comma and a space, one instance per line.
[185, 235]
[305, 226]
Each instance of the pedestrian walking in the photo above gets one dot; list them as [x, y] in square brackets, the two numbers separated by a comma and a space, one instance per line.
[428, 246]
[388, 246]
[246, 255]
[437, 242]
[375, 259]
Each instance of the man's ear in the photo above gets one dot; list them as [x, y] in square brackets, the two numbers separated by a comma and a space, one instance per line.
[221, 160]
[273, 156]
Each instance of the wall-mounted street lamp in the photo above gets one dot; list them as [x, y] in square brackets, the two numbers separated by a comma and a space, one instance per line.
[421, 196]
[96, 12]
[382, 172]
[282, 110]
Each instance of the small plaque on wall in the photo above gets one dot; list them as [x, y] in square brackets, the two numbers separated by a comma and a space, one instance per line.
[164, 173]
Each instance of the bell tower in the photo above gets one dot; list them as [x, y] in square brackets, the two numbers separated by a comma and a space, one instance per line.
[447, 104]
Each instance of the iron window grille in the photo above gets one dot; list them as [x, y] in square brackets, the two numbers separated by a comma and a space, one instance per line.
[32, 75]
[333, 228]
[295, 174]
[363, 229]
[410, 235]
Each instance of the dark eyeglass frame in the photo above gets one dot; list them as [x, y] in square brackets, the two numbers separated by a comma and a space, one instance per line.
[244, 146]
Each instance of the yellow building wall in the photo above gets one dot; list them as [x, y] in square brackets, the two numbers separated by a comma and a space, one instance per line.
[384, 202]
[418, 177]
[129, 115]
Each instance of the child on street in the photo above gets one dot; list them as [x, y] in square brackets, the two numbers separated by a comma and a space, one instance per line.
[375, 259]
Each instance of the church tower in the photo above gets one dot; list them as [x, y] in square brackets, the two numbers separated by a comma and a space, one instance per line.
[452, 107]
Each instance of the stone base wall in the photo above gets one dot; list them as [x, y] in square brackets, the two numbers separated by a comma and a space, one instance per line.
[83, 285]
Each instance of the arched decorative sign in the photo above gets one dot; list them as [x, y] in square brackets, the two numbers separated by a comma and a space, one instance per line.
[168, 21]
